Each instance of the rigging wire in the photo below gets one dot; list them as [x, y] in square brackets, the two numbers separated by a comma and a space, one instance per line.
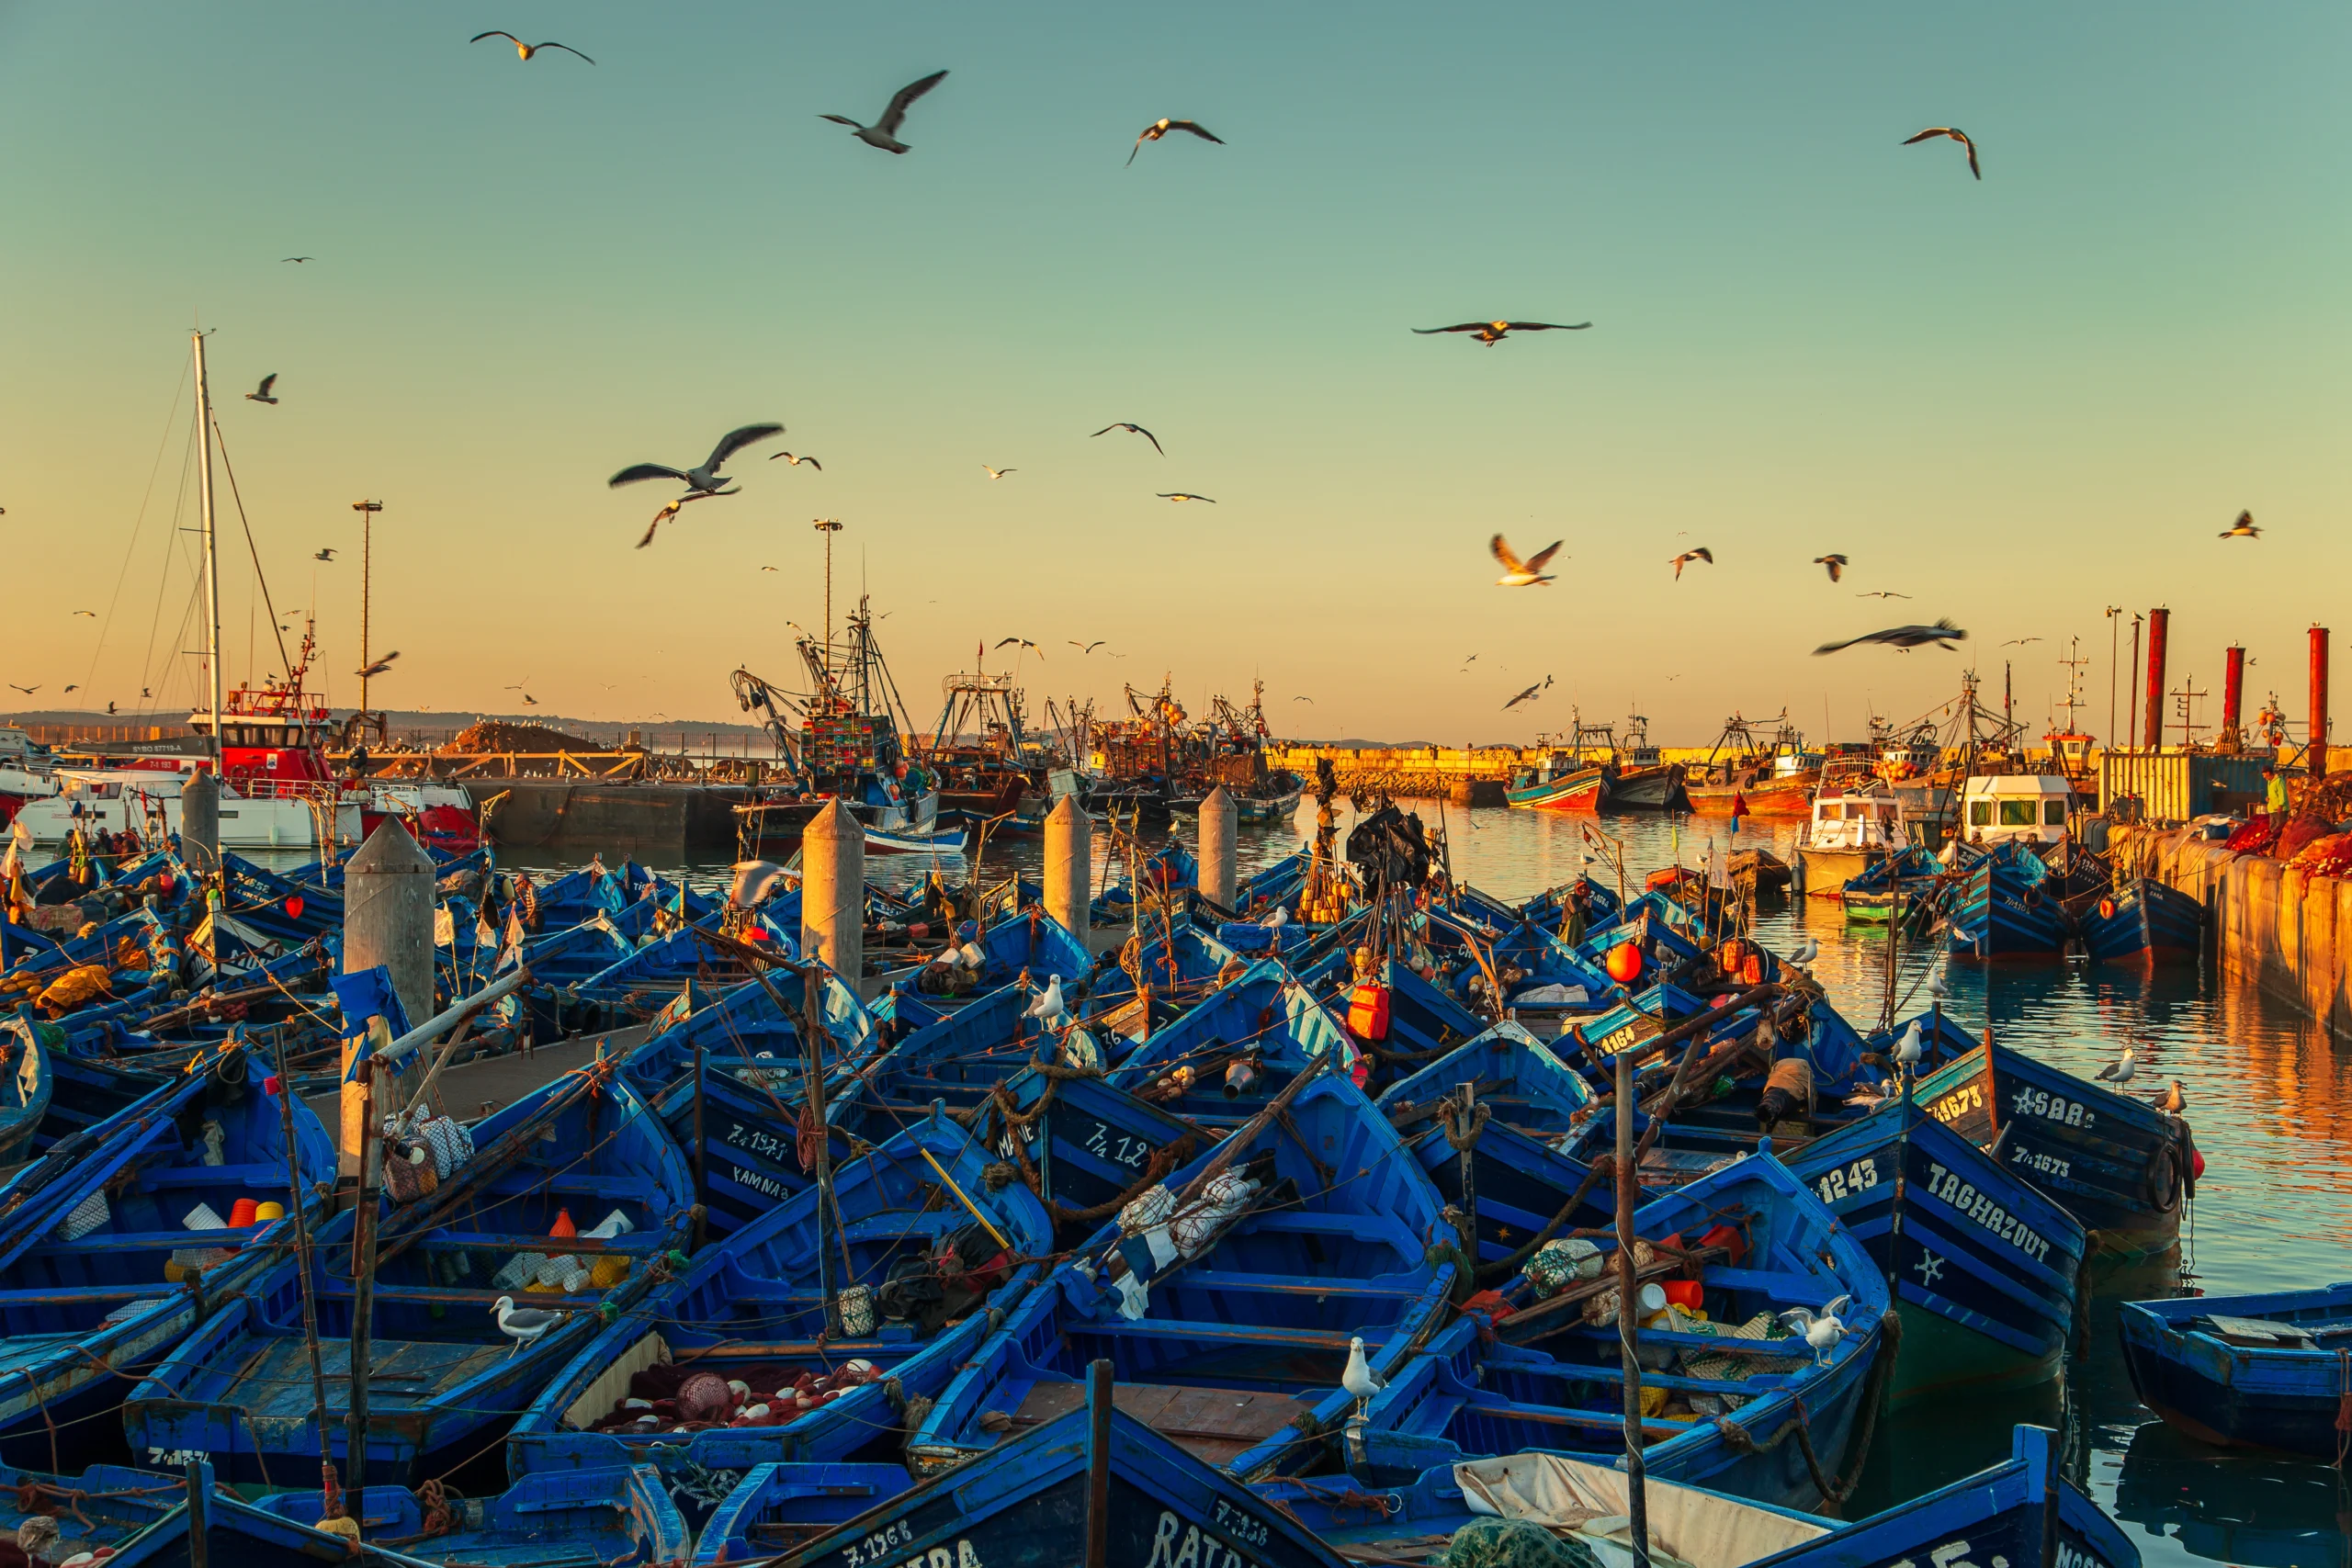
[259, 576]
[138, 522]
[147, 676]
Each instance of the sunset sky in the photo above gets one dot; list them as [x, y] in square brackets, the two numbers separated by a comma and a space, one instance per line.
[2018, 401]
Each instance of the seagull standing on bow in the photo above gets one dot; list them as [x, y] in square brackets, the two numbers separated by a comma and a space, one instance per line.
[1805, 952]
[884, 132]
[1358, 1378]
[2120, 1070]
[524, 1325]
[1518, 573]
[705, 476]
[1822, 1329]
[2173, 1102]
[1049, 1004]
[1160, 128]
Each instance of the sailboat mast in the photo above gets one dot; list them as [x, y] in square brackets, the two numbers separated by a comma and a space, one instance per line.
[211, 544]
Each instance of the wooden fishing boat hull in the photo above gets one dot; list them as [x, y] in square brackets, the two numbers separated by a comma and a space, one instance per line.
[2189, 1366]
[1643, 789]
[1579, 791]
[1828, 871]
[620, 1517]
[2148, 924]
[1091, 1147]
[1987, 1267]
[25, 1085]
[1779, 797]
[2119, 1167]
[2003, 911]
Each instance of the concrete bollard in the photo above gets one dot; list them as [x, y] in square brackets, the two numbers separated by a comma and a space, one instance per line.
[1070, 864]
[1219, 870]
[200, 823]
[388, 893]
[832, 891]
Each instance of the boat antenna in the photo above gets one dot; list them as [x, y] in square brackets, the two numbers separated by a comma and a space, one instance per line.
[212, 544]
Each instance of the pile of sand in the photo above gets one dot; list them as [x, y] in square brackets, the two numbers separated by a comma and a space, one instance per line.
[500, 735]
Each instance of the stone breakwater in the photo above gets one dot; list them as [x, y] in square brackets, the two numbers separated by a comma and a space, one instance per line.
[2289, 932]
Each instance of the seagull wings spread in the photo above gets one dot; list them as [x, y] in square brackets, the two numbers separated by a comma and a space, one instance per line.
[734, 441]
[903, 99]
[637, 471]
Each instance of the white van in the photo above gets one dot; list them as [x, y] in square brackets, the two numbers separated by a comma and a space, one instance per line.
[2031, 807]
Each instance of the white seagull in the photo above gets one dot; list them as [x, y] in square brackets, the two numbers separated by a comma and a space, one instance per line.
[1049, 1004]
[1518, 573]
[1360, 1379]
[1938, 990]
[997, 473]
[1909, 1049]
[1822, 1329]
[754, 880]
[884, 132]
[1806, 951]
[524, 1325]
[2119, 1071]
[706, 476]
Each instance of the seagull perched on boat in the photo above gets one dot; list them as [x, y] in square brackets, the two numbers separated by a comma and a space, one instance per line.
[1160, 128]
[1360, 1379]
[327, 554]
[1943, 634]
[1699, 552]
[524, 1325]
[2243, 528]
[1957, 135]
[706, 476]
[261, 394]
[2120, 1070]
[38, 1538]
[380, 666]
[997, 473]
[1183, 495]
[1050, 1004]
[670, 513]
[1518, 573]
[1805, 952]
[1136, 429]
[1910, 1048]
[884, 132]
[1837, 565]
[1528, 695]
[2173, 1102]
[1822, 1329]
[796, 461]
[1493, 332]
[1938, 990]
[524, 51]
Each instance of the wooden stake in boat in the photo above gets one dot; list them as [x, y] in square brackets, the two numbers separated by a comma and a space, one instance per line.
[199, 1521]
[300, 1201]
[1628, 1193]
[363, 1292]
[1098, 1465]
[1465, 1155]
[813, 1086]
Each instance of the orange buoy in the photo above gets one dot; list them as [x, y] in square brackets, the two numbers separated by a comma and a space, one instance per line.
[564, 1226]
[1624, 963]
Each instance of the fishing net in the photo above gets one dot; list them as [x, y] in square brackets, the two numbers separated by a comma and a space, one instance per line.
[1513, 1543]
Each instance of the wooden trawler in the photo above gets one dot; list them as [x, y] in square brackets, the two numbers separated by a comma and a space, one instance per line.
[1759, 777]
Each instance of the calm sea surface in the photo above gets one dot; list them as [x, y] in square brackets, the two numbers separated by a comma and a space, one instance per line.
[2269, 1096]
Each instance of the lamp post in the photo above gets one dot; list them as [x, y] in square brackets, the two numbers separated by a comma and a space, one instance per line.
[828, 527]
[367, 510]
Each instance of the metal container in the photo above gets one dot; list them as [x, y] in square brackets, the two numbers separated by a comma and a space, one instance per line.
[2174, 786]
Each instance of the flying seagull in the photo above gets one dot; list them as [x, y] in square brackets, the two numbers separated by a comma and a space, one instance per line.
[1528, 695]
[1493, 332]
[797, 462]
[73, 688]
[1137, 429]
[997, 473]
[1087, 646]
[327, 554]
[2020, 641]
[704, 477]
[1943, 634]
[1518, 573]
[1025, 642]
[1882, 593]
[1183, 495]
[262, 395]
[28, 690]
[2243, 528]
[1699, 552]
[524, 51]
[884, 132]
[1957, 135]
[380, 665]
[524, 1325]
[670, 513]
[1302, 699]
[1837, 565]
[1160, 128]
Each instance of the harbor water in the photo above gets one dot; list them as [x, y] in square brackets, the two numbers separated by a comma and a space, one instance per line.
[2269, 1096]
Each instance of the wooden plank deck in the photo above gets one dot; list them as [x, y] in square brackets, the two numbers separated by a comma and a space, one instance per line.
[1214, 1425]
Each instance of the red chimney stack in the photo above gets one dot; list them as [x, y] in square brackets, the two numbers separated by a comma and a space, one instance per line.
[2233, 694]
[2315, 757]
[2152, 734]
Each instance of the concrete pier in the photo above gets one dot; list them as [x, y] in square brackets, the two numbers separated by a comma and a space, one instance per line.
[1220, 868]
[1070, 864]
[388, 919]
[832, 891]
[200, 823]
[2286, 932]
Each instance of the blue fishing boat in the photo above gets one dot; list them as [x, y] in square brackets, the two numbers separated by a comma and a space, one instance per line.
[1518, 1078]
[2020, 1511]
[930, 1254]
[1395, 1017]
[2008, 907]
[104, 1506]
[497, 1227]
[25, 1085]
[2120, 1166]
[2144, 922]
[2264, 1371]
[1027, 1504]
[1024, 941]
[1230, 1300]
[1222, 1061]
[1085, 1146]
[1522, 1192]
[1544, 1377]
[127, 1245]
[235, 1532]
[620, 1517]
[1158, 979]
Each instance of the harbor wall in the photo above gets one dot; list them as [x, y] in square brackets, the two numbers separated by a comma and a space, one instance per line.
[2287, 933]
[614, 818]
